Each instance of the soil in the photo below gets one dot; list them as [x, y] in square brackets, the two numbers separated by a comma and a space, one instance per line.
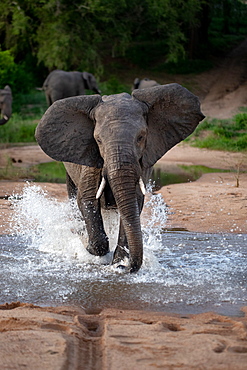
[70, 338]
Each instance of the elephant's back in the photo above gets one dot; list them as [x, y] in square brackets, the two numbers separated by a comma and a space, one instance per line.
[146, 84]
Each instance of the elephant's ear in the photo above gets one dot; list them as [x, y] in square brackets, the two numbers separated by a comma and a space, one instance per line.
[65, 131]
[173, 114]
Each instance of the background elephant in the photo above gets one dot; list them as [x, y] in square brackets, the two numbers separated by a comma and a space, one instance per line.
[5, 104]
[109, 145]
[144, 83]
[60, 84]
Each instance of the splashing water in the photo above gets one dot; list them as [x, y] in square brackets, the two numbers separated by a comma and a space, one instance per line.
[56, 227]
[45, 261]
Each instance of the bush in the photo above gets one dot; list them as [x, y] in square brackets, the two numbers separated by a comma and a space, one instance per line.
[113, 86]
[18, 130]
[27, 111]
[241, 121]
[14, 75]
[227, 135]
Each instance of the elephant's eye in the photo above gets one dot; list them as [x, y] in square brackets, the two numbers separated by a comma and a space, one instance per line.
[140, 138]
[98, 141]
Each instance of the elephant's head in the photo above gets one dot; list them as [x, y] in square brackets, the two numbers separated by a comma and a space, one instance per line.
[144, 83]
[125, 136]
[90, 82]
[5, 104]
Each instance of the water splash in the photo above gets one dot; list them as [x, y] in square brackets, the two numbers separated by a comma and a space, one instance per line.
[57, 227]
[45, 262]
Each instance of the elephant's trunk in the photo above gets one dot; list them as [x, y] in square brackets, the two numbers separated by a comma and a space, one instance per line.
[123, 181]
[6, 108]
[4, 120]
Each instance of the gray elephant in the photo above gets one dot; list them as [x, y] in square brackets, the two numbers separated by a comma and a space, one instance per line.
[61, 84]
[5, 104]
[109, 145]
[144, 83]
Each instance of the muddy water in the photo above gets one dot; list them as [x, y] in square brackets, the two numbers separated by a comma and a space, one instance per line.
[43, 260]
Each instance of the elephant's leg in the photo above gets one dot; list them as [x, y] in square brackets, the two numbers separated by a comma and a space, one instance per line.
[90, 209]
[71, 187]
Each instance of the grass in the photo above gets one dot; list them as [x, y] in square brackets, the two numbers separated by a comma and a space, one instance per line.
[45, 172]
[227, 135]
[49, 172]
[190, 173]
[27, 111]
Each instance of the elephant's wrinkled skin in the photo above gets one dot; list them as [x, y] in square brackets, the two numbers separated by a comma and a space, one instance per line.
[117, 138]
[61, 84]
[5, 104]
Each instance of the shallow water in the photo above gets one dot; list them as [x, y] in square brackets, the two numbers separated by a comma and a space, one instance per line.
[44, 262]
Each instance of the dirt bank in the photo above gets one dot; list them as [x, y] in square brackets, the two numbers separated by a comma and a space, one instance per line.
[217, 202]
[69, 338]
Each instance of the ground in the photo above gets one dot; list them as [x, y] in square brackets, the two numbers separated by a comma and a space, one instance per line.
[70, 338]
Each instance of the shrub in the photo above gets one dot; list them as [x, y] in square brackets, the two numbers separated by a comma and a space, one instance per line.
[14, 75]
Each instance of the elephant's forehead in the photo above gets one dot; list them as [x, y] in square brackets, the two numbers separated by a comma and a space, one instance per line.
[120, 105]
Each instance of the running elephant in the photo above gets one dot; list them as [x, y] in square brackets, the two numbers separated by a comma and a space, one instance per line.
[109, 145]
[5, 104]
[60, 84]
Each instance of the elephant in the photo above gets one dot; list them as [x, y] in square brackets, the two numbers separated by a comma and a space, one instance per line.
[109, 145]
[61, 84]
[144, 83]
[5, 104]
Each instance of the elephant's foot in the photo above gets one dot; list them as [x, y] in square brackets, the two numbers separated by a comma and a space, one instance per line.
[120, 254]
[99, 248]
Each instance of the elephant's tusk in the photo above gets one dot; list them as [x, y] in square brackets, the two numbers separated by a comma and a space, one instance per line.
[5, 117]
[101, 188]
[142, 186]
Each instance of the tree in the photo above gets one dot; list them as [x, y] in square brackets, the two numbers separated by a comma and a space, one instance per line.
[79, 34]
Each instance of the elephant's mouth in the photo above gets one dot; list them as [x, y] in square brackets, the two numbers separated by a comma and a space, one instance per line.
[105, 193]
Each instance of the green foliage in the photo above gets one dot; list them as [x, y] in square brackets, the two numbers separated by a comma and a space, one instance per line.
[13, 74]
[82, 35]
[228, 24]
[49, 172]
[18, 130]
[7, 68]
[27, 111]
[230, 135]
[186, 66]
[77, 35]
[113, 86]
[241, 121]
[44, 172]
[146, 53]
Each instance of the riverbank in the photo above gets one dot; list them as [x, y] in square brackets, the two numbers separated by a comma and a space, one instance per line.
[69, 338]
[72, 338]
[217, 202]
